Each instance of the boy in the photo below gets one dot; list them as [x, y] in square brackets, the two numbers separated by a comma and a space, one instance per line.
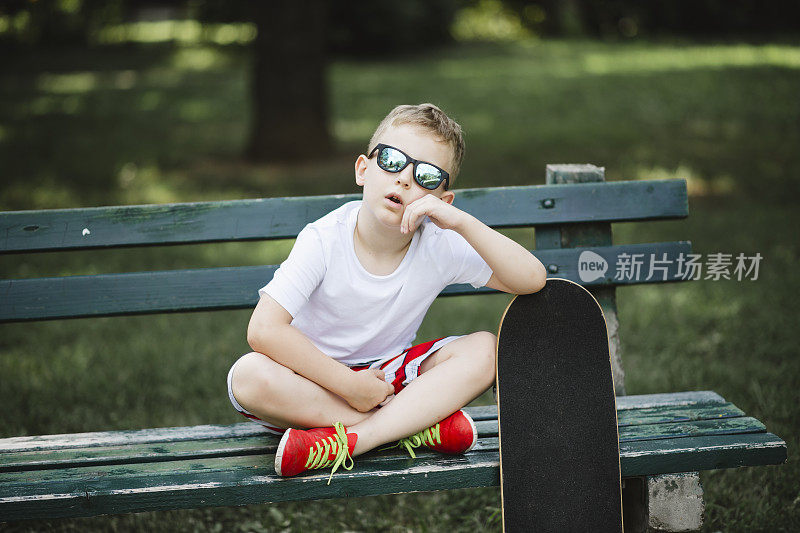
[332, 331]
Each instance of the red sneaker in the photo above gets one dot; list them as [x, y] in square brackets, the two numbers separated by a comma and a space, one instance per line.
[454, 435]
[301, 450]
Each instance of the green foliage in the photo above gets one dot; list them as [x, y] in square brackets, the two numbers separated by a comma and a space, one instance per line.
[615, 19]
[56, 22]
[488, 20]
[356, 28]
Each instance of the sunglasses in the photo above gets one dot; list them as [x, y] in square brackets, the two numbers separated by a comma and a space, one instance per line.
[426, 175]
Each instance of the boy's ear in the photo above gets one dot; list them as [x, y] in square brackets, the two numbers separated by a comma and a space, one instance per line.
[361, 169]
[448, 196]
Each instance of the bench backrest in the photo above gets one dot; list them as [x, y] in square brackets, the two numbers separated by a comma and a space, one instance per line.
[544, 207]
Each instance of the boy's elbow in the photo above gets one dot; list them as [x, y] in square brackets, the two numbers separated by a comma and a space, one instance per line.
[537, 285]
[539, 279]
[540, 284]
[533, 285]
[258, 337]
[253, 338]
[266, 322]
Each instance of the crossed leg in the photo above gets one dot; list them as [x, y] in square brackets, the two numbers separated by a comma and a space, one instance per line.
[449, 379]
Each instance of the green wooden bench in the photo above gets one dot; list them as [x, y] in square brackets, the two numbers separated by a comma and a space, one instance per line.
[85, 474]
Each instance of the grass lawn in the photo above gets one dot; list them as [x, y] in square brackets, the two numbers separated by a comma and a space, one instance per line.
[126, 125]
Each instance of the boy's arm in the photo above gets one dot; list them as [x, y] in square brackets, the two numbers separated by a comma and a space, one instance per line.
[270, 332]
[514, 269]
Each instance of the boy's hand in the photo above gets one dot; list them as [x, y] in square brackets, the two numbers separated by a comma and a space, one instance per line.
[369, 389]
[444, 215]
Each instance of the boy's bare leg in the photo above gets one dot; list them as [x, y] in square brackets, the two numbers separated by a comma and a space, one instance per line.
[451, 378]
[280, 397]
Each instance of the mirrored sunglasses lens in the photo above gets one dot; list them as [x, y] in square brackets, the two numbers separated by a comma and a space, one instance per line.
[428, 176]
[391, 160]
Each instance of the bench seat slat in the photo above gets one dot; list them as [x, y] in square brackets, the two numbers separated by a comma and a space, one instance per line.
[237, 287]
[174, 444]
[264, 460]
[248, 479]
[680, 413]
[693, 454]
[174, 451]
[668, 399]
[719, 426]
[704, 399]
[281, 218]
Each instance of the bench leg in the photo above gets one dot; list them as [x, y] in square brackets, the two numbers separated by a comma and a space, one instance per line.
[671, 502]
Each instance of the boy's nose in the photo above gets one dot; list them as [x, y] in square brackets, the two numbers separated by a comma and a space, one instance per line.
[405, 176]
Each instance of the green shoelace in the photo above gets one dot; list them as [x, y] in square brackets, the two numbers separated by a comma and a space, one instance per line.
[319, 455]
[428, 437]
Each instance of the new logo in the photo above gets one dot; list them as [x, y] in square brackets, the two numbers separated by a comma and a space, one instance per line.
[591, 266]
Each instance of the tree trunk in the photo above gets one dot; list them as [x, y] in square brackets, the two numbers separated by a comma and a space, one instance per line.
[290, 107]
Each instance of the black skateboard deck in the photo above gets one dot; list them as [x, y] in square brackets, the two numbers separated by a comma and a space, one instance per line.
[559, 445]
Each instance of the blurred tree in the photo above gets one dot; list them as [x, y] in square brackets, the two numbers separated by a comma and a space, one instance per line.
[289, 89]
[290, 98]
[294, 41]
[379, 28]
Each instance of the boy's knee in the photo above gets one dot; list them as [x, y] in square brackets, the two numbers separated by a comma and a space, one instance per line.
[487, 343]
[256, 374]
[486, 347]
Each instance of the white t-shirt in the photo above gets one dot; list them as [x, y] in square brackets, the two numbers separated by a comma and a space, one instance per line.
[354, 316]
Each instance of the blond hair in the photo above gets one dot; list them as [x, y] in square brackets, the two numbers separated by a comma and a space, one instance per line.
[431, 118]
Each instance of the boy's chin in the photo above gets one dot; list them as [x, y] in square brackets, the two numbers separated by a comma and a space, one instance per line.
[388, 218]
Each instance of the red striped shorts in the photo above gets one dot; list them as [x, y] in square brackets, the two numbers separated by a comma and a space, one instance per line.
[400, 370]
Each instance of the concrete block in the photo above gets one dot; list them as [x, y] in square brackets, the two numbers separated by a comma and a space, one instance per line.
[675, 502]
